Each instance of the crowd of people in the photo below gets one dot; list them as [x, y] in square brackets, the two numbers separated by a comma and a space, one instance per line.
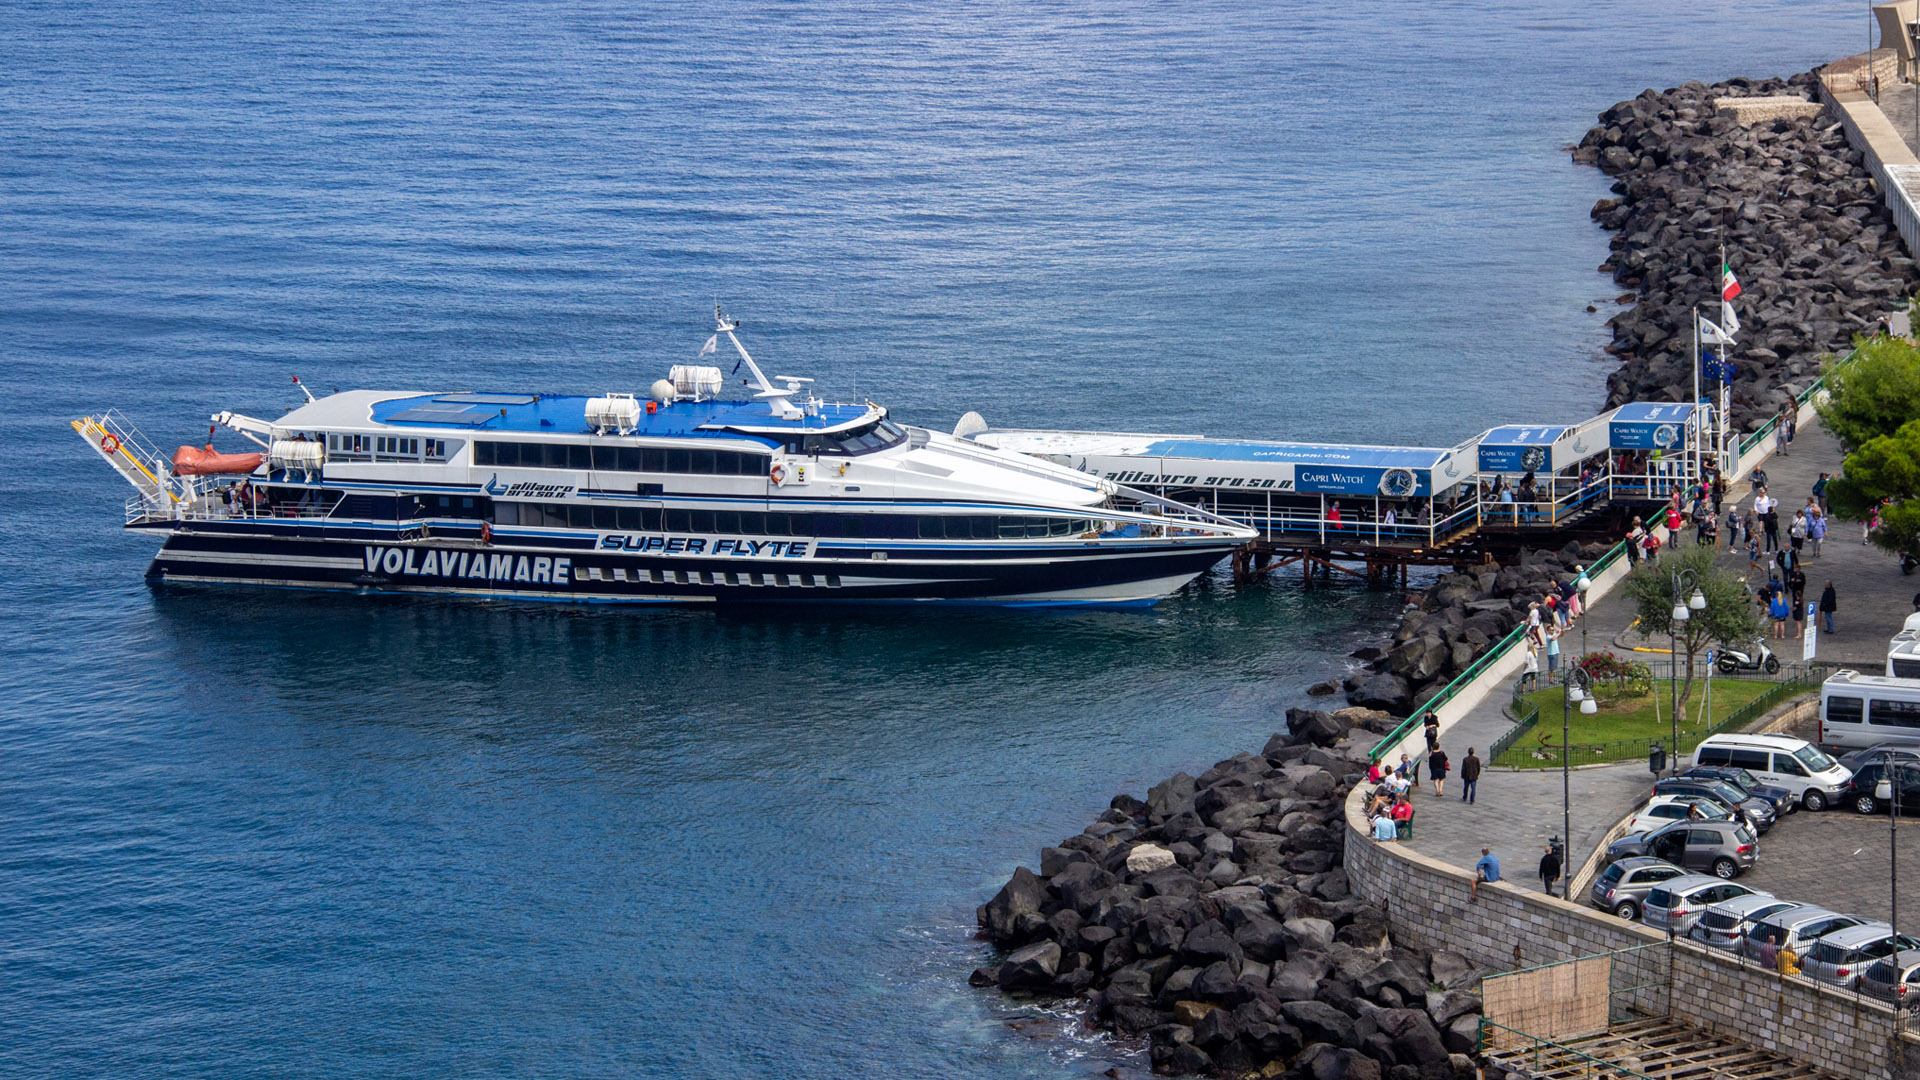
[1390, 804]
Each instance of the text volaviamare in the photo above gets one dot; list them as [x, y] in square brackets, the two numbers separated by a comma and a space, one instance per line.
[555, 570]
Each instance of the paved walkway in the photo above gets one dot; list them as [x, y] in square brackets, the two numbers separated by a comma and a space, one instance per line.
[1517, 810]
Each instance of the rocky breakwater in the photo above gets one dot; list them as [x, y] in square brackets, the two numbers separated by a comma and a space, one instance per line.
[1455, 621]
[1213, 918]
[1814, 247]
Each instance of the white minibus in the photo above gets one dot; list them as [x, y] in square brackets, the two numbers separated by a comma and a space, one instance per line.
[1903, 656]
[1815, 779]
[1866, 710]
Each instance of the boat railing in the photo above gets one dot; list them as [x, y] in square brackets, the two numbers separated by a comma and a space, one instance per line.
[142, 510]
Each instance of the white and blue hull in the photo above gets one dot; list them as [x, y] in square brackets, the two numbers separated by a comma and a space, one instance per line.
[629, 568]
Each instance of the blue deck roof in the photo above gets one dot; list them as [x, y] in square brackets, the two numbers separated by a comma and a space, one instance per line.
[1389, 457]
[1517, 435]
[555, 414]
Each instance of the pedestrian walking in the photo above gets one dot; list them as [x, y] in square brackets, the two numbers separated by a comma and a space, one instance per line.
[1487, 869]
[1469, 776]
[1797, 531]
[1777, 611]
[1530, 671]
[1736, 535]
[1766, 506]
[1820, 491]
[1437, 766]
[1797, 585]
[1635, 534]
[1757, 478]
[1754, 565]
[1782, 433]
[1549, 870]
[1828, 603]
[1816, 530]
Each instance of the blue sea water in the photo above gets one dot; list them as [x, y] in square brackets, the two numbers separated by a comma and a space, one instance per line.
[270, 834]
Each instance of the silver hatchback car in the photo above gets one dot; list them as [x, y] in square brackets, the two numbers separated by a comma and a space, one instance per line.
[1838, 958]
[1895, 980]
[1798, 926]
[1725, 923]
[1624, 884]
[1676, 905]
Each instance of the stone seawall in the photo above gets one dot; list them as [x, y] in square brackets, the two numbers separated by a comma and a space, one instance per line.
[1427, 907]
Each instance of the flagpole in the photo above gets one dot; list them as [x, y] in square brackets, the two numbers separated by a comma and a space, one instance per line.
[1696, 393]
[1727, 358]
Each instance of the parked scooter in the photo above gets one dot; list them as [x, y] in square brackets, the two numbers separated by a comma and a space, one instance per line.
[1754, 657]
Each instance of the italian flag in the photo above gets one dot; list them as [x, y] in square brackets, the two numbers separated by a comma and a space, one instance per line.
[1729, 285]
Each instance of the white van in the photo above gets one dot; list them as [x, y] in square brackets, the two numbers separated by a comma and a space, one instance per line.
[1868, 710]
[1903, 656]
[1815, 779]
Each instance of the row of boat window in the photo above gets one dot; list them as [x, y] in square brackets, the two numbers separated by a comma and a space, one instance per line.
[621, 458]
[774, 523]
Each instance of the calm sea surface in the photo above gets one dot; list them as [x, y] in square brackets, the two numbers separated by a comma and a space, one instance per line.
[277, 835]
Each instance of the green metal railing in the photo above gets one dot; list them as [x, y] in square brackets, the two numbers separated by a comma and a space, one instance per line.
[1760, 434]
[1480, 664]
[1541, 1056]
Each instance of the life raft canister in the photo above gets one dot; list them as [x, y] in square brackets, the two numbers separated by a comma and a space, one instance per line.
[110, 444]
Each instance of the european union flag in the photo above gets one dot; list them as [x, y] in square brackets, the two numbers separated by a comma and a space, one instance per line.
[1713, 369]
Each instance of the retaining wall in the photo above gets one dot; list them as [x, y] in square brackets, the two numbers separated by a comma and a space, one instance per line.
[1889, 159]
[1427, 905]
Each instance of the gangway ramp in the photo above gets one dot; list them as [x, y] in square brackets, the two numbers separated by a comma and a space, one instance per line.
[138, 461]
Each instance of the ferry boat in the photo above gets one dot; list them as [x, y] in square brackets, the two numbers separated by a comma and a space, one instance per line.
[683, 496]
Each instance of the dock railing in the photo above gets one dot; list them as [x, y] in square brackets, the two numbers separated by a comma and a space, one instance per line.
[1492, 655]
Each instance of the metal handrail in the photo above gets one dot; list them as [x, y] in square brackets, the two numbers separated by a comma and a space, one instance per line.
[1564, 1054]
[1480, 664]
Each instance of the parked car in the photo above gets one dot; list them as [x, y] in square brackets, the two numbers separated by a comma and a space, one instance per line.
[1798, 926]
[1758, 812]
[1677, 904]
[1626, 882]
[1725, 923]
[1784, 802]
[1664, 809]
[1894, 979]
[1853, 759]
[1863, 791]
[1725, 849]
[1795, 764]
[1839, 957]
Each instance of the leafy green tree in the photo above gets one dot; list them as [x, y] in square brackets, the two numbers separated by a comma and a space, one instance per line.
[1730, 614]
[1874, 393]
[1885, 472]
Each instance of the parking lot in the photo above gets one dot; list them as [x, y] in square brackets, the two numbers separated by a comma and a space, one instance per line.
[1838, 860]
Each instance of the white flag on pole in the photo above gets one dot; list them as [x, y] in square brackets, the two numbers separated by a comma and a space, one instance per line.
[1728, 320]
[1711, 333]
[712, 344]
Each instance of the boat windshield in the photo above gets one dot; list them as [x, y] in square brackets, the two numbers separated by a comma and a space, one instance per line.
[864, 439]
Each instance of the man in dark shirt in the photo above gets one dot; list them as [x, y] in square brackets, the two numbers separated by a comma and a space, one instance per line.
[1549, 870]
[1469, 776]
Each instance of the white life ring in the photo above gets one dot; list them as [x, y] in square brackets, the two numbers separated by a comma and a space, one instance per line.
[779, 474]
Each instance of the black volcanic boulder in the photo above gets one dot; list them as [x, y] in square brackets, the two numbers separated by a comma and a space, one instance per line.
[1024, 894]
[1031, 968]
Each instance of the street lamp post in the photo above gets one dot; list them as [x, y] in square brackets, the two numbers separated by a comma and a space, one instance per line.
[1578, 687]
[1683, 579]
[1890, 784]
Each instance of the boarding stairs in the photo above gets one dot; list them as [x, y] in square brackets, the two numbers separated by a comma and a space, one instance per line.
[136, 459]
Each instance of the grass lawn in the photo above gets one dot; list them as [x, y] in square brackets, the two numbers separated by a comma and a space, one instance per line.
[1621, 730]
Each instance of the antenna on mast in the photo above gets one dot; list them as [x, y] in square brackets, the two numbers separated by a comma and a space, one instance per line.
[775, 397]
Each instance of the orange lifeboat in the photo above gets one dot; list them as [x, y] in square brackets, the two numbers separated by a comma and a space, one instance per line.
[192, 461]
